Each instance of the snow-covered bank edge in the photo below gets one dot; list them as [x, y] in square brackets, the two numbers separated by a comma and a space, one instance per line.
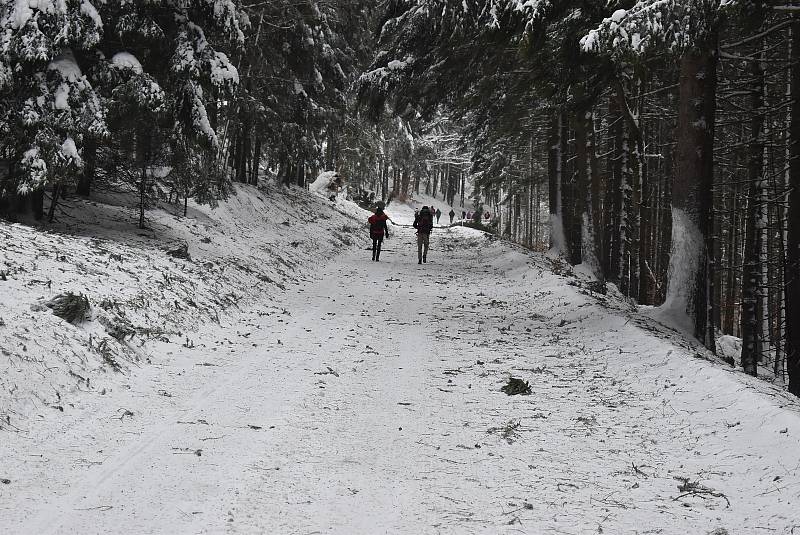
[247, 250]
[662, 325]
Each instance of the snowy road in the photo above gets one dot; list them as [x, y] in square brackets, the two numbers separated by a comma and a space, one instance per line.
[370, 403]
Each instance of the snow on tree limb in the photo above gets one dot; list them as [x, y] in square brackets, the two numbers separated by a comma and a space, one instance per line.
[676, 25]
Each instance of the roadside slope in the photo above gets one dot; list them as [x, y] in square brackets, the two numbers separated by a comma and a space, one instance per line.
[247, 249]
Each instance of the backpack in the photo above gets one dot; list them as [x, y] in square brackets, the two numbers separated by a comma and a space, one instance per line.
[425, 224]
[376, 226]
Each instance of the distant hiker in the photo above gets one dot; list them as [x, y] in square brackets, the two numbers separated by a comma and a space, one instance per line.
[424, 224]
[335, 187]
[438, 215]
[469, 215]
[487, 216]
[377, 230]
[452, 214]
[463, 214]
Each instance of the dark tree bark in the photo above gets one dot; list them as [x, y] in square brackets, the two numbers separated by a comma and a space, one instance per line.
[587, 192]
[405, 181]
[555, 171]
[51, 211]
[792, 266]
[86, 178]
[691, 263]
[752, 304]
[452, 184]
[613, 195]
[733, 260]
[301, 173]
[462, 186]
[37, 204]
[256, 163]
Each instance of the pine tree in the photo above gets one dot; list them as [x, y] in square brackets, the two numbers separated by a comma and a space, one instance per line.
[50, 105]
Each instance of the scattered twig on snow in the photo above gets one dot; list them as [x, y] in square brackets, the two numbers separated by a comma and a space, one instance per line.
[609, 502]
[637, 470]
[98, 508]
[188, 451]
[330, 371]
[694, 488]
[125, 412]
[509, 432]
[525, 506]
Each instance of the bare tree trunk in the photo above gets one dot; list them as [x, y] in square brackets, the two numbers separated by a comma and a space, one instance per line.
[752, 304]
[462, 181]
[256, 163]
[792, 266]
[385, 180]
[37, 203]
[86, 177]
[558, 240]
[584, 193]
[691, 263]
[613, 200]
[51, 212]
[405, 182]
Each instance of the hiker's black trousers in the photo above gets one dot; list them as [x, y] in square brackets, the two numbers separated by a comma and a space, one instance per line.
[376, 248]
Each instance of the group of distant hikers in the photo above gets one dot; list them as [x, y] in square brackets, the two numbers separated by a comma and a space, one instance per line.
[423, 222]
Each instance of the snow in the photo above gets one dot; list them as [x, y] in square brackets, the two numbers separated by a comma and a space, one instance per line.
[67, 66]
[126, 60]
[23, 10]
[729, 347]
[33, 161]
[292, 386]
[588, 252]
[200, 119]
[320, 185]
[558, 245]
[90, 11]
[396, 65]
[61, 97]
[684, 263]
[70, 151]
[222, 70]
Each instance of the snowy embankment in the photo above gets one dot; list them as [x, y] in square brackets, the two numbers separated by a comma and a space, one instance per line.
[142, 288]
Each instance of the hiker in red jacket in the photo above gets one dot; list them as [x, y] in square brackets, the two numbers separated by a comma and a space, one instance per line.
[378, 228]
[424, 225]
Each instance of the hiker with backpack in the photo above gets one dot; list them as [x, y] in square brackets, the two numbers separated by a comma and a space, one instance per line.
[424, 225]
[438, 215]
[452, 214]
[378, 229]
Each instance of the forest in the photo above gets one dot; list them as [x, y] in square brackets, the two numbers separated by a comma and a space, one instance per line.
[654, 142]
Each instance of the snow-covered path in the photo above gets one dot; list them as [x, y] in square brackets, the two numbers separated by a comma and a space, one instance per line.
[370, 403]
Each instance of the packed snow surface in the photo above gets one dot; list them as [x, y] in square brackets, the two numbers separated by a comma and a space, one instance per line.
[366, 398]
